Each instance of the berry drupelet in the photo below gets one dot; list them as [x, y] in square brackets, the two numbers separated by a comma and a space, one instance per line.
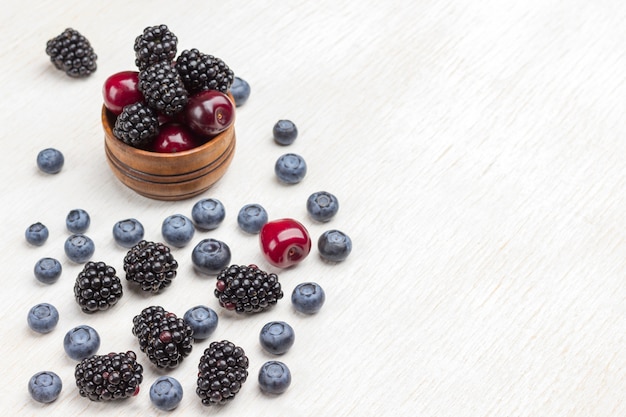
[163, 88]
[247, 289]
[222, 371]
[150, 265]
[72, 53]
[109, 377]
[201, 71]
[155, 44]
[137, 125]
[97, 287]
[165, 338]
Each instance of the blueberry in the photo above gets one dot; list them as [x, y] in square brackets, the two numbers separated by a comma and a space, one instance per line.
[203, 320]
[274, 377]
[45, 386]
[79, 248]
[81, 342]
[308, 297]
[285, 132]
[50, 161]
[43, 318]
[127, 233]
[334, 245]
[208, 213]
[252, 217]
[48, 270]
[322, 206]
[37, 234]
[290, 168]
[77, 221]
[177, 230]
[277, 337]
[210, 256]
[166, 393]
[240, 89]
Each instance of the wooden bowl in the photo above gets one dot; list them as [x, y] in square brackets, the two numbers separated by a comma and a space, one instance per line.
[168, 176]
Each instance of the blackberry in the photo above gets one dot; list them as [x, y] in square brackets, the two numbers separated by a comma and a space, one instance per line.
[222, 371]
[151, 265]
[109, 377]
[137, 125]
[155, 44]
[97, 287]
[163, 88]
[247, 289]
[201, 71]
[164, 337]
[72, 53]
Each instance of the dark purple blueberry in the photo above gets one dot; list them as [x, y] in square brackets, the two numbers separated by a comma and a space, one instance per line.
[240, 89]
[81, 342]
[290, 168]
[285, 132]
[334, 245]
[322, 206]
[251, 218]
[43, 318]
[127, 233]
[210, 256]
[77, 221]
[203, 320]
[166, 393]
[208, 213]
[277, 337]
[308, 297]
[50, 161]
[45, 386]
[79, 248]
[177, 230]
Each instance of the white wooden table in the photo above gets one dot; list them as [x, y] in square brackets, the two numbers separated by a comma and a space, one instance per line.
[477, 151]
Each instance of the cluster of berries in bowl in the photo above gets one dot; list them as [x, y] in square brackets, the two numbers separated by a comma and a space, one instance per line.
[170, 103]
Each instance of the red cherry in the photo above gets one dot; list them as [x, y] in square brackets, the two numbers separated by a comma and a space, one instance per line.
[174, 137]
[209, 112]
[284, 242]
[121, 89]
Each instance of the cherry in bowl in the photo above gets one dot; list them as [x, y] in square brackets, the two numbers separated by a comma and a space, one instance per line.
[121, 89]
[209, 113]
[284, 242]
[174, 137]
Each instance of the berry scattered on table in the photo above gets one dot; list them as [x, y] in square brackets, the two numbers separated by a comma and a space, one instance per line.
[77, 221]
[277, 337]
[45, 386]
[156, 44]
[48, 270]
[274, 377]
[174, 137]
[285, 132]
[50, 161]
[222, 371]
[150, 265]
[72, 53]
[97, 287]
[252, 217]
[137, 125]
[36, 234]
[290, 168]
[177, 230]
[127, 233]
[209, 113]
[203, 320]
[284, 242]
[240, 90]
[79, 248]
[200, 71]
[162, 88]
[109, 377]
[163, 337]
[210, 256]
[81, 342]
[43, 318]
[208, 213]
[166, 393]
[308, 297]
[322, 206]
[334, 245]
[247, 289]
[120, 90]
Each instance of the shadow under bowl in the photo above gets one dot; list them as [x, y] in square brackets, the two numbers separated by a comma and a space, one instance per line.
[168, 176]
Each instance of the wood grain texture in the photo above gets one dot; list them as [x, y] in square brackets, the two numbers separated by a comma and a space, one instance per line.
[477, 151]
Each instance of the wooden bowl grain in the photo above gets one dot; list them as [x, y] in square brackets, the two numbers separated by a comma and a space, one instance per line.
[168, 176]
